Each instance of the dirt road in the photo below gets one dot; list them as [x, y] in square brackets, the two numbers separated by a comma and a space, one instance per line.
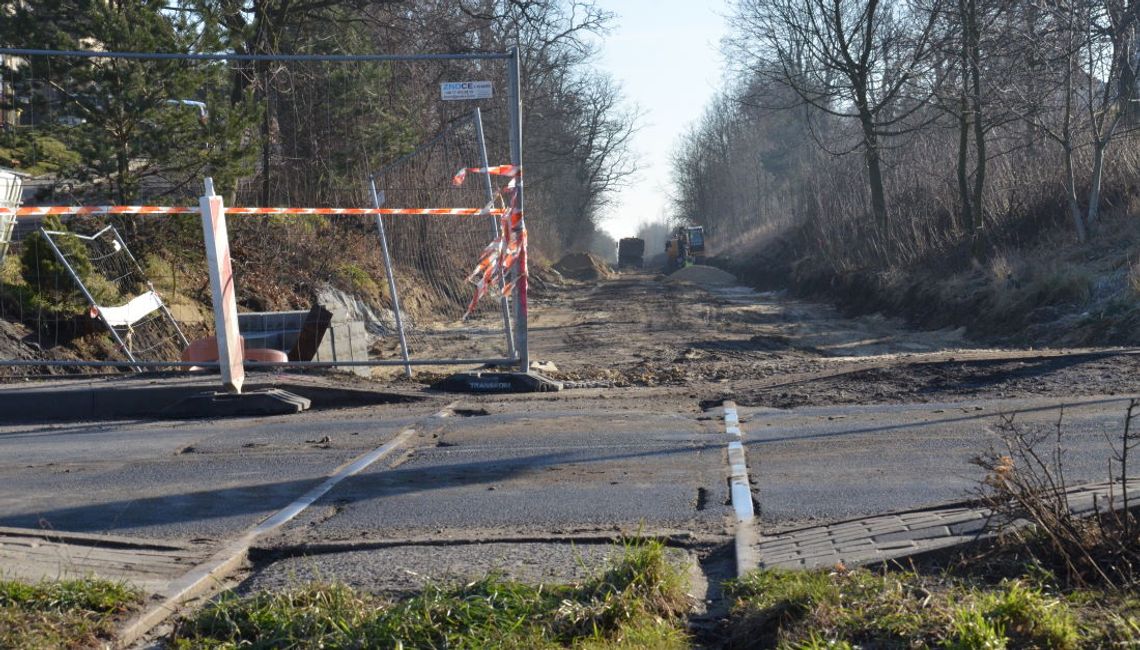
[713, 341]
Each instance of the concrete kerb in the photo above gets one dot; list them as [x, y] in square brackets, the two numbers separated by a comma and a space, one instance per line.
[122, 398]
[744, 534]
[207, 576]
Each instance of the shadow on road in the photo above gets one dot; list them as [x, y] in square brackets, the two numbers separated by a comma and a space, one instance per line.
[265, 498]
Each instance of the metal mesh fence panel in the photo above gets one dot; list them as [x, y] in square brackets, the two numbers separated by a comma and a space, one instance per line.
[288, 132]
[11, 189]
[119, 294]
[437, 252]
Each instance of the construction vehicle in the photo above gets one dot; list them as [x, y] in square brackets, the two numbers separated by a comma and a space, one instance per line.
[631, 253]
[685, 246]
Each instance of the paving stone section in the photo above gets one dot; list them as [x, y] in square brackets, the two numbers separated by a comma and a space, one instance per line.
[897, 536]
[34, 555]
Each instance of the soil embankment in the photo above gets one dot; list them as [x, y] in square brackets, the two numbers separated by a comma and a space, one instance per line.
[1051, 291]
[583, 266]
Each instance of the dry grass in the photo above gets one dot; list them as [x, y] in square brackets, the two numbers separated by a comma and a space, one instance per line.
[1025, 482]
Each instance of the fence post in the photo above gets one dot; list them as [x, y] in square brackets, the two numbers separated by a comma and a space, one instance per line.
[217, 238]
[514, 108]
[391, 279]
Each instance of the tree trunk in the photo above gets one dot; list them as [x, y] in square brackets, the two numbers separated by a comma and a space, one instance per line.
[979, 169]
[1097, 176]
[122, 171]
[975, 67]
[1067, 145]
[1071, 191]
[875, 179]
[265, 160]
[964, 197]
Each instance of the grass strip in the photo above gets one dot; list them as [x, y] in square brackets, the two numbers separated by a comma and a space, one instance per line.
[61, 614]
[638, 602]
[774, 608]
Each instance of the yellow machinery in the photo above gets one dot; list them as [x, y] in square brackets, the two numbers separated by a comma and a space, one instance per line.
[686, 246]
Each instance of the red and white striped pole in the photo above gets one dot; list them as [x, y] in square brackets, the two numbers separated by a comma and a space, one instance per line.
[230, 350]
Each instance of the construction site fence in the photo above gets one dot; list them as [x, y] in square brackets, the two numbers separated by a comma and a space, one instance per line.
[99, 269]
[326, 130]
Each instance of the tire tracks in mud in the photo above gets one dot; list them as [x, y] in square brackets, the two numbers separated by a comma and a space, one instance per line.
[638, 331]
[906, 365]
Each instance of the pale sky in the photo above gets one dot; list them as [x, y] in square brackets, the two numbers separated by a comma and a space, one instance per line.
[665, 54]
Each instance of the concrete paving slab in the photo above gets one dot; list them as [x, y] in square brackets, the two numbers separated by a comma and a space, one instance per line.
[34, 555]
[894, 536]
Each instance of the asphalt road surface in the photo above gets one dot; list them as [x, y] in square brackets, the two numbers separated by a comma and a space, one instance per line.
[817, 464]
[538, 485]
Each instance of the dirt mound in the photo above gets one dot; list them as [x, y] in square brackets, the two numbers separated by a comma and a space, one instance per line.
[706, 276]
[583, 266]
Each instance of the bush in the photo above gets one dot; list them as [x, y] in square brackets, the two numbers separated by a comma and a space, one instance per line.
[1025, 481]
[36, 154]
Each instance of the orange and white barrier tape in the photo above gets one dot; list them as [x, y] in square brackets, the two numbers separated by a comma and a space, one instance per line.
[460, 212]
[33, 211]
[500, 170]
[508, 249]
[96, 209]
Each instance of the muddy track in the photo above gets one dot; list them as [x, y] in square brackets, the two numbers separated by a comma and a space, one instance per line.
[763, 349]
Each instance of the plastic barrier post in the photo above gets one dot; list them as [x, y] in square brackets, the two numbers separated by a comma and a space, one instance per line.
[222, 288]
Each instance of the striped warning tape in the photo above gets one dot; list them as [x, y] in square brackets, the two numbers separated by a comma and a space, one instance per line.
[152, 209]
[462, 212]
[498, 170]
[96, 209]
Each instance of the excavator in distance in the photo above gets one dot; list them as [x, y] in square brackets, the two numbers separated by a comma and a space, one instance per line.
[686, 246]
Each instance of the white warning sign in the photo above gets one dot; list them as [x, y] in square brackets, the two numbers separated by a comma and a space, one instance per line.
[454, 90]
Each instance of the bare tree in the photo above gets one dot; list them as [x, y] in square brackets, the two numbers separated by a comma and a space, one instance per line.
[866, 60]
[971, 121]
[1082, 90]
[1110, 81]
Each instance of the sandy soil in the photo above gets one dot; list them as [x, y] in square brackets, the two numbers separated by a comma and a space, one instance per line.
[701, 335]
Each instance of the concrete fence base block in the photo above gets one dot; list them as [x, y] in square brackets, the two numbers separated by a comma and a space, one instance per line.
[271, 401]
[498, 382]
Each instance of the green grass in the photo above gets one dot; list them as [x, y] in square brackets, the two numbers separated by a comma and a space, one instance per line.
[61, 614]
[820, 609]
[637, 603]
[358, 280]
